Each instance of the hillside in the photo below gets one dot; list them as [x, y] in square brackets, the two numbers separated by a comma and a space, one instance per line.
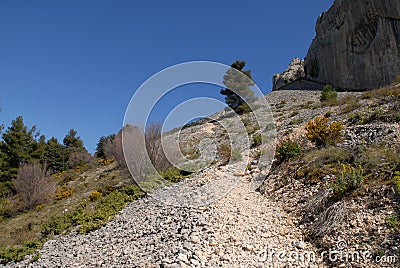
[341, 196]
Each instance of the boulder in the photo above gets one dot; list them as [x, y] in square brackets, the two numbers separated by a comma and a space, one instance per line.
[356, 45]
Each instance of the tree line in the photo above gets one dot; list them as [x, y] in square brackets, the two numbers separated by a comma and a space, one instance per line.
[27, 159]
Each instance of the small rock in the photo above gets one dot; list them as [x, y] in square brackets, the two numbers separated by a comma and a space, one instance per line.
[182, 257]
[195, 239]
[299, 244]
[225, 257]
[195, 262]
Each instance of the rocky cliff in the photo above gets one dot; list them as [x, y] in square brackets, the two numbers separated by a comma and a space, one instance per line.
[357, 45]
[294, 72]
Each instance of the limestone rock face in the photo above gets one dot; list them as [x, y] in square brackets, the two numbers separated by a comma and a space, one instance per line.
[294, 72]
[357, 45]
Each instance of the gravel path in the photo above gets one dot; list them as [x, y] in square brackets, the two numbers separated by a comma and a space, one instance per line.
[241, 229]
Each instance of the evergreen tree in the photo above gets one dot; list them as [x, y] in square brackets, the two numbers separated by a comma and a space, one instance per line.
[3, 164]
[100, 153]
[18, 146]
[39, 148]
[237, 91]
[56, 155]
[73, 142]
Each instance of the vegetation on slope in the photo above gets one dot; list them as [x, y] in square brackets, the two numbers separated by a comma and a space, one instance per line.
[343, 159]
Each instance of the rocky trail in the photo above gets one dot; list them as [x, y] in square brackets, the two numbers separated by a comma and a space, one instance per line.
[221, 222]
[241, 229]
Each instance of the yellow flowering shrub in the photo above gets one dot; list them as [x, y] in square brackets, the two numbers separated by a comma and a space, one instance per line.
[322, 133]
[63, 192]
[39, 207]
[104, 162]
[94, 195]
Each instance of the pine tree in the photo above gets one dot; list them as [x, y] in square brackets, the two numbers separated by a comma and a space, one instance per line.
[18, 146]
[238, 83]
[73, 142]
[100, 153]
[56, 155]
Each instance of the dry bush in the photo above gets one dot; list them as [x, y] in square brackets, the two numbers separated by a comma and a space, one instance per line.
[154, 147]
[135, 153]
[33, 185]
[225, 152]
[319, 202]
[384, 93]
[348, 103]
[329, 219]
[79, 159]
[113, 150]
[142, 152]
[329, 155]
[380, 161]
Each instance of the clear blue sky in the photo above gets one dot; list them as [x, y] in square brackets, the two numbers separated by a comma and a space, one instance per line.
[75, 64]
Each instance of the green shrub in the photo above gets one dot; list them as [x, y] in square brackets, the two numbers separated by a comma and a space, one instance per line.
[250, 129]
[246, 122]
[19, 252]
[192, 154]
[288, 150]
[322, 133]
[392, 221]
[236, 155]
[257, 140]
[375, 114]
[174, 174]
[328, 94]
[349, 179]
[6, 189]
[397, 119]
[4, 208]
[397, 181]
[322, 162]
[297, 121]
[243, 109]
[248, 167]
[133, 190]
[153, 182]
[56, 225]
[105, 210]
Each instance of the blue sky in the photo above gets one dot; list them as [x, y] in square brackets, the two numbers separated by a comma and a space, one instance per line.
[76, 64]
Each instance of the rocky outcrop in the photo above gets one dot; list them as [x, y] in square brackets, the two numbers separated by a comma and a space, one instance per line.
[294, 72]
[357, 45]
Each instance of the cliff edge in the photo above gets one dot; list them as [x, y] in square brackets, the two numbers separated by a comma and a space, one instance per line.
[357, 45]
